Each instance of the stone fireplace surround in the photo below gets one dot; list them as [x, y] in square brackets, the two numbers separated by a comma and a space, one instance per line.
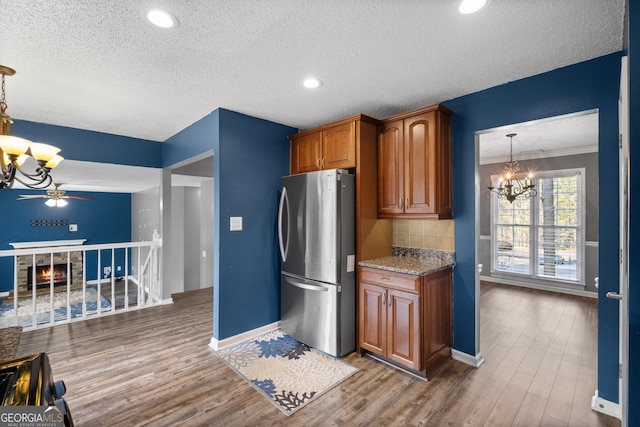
[26, 261]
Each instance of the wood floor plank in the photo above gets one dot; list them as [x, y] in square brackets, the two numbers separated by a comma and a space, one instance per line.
[531, 411]
[563, 391]
[507, 407]
[154, 367]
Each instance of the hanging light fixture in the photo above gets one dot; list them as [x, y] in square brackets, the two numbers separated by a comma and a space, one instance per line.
[14, 151]
[508, 186]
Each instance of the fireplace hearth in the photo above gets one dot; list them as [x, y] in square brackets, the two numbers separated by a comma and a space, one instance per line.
[44, 273]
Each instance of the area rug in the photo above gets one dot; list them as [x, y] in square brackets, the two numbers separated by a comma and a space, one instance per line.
[287, 372]
[43, 307]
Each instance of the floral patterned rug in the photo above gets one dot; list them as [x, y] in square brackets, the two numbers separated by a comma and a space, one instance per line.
[287, 372]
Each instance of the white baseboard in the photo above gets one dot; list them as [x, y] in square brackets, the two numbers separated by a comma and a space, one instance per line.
[245, 336]
[166, 301]
[475, 361]
[608, 408]
[558, 289]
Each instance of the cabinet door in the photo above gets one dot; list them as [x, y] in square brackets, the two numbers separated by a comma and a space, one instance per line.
[339, 147]
[420, 183]
[403, 329]
[306, 153]
[390, 168]
[372, 318]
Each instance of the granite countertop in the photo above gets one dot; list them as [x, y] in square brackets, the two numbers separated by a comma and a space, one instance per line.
[419, 262]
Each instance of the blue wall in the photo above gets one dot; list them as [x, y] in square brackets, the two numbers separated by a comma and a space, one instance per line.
[78, 144]
[634, 226]
[107, 219]
[251, 155]
[191, 141]
[584, 86]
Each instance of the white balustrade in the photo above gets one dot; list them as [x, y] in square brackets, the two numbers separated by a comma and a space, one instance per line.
[131, 264]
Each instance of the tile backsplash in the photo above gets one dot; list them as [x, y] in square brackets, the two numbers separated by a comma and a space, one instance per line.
[429, 234]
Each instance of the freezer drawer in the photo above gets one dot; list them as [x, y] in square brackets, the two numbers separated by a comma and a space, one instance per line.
[311, 313]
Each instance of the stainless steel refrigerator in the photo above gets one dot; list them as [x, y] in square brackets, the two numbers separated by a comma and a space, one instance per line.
[316, 231]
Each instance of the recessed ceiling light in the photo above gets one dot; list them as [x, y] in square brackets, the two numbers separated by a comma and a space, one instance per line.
[471, 6]
[311, 83]
[161, 18]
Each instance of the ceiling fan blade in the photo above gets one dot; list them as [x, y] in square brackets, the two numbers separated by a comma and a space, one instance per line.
[80, 198]
[27, 197]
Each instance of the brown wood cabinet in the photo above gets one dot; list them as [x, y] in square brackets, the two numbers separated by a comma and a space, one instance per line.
[405, 318]
[347, 144]
[330, 147]
[414, 164]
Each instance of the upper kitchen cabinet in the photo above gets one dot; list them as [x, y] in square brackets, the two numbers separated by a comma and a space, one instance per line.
[349, 143]
[329, 147]
[414, 164]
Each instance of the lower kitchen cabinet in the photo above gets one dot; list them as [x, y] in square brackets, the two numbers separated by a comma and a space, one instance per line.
[406, 319]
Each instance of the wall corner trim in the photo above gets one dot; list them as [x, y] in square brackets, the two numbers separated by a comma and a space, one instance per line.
[245, 336]
[475, 361]
[606, 407]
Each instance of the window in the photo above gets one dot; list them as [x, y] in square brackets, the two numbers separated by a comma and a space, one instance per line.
[542, 236]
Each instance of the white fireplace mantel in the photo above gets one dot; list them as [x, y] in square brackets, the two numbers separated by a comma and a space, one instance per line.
[47, 244]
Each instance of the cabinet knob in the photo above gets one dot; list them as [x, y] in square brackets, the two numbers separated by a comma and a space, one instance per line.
[323, 163]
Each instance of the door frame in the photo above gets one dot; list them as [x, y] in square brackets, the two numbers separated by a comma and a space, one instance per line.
[623, 120]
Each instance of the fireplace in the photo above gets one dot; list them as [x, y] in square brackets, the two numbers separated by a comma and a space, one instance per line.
[44, 272]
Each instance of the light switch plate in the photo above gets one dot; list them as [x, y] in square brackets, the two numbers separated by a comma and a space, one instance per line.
[235, 223]
[73, 227]
[351, 263]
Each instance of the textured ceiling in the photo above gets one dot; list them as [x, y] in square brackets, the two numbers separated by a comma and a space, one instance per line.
[557, 136]
[99, 65]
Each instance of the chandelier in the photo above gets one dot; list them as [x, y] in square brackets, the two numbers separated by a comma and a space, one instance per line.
[14, 151]
[508, 186]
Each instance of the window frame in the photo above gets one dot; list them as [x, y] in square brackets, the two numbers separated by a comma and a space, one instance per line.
[535, 226]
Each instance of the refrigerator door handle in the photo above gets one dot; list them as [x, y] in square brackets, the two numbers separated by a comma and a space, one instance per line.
[317, 288]
[284, 249]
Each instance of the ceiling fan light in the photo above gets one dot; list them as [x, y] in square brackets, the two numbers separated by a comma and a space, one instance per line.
[61, 203]
[14, 145]
[50, 203]
[43, 152]
[55, 161]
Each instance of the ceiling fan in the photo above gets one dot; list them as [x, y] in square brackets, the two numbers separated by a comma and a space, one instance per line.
[55, 197]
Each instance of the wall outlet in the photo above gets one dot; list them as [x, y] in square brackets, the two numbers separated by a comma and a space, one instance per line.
[107, 271]
[73, 227]
[119, 268]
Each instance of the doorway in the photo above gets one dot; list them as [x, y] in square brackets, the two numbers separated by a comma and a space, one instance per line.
[192, 223]
[514, 251]
[547, 238]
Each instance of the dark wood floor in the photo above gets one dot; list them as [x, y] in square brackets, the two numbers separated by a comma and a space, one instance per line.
[154, 367]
